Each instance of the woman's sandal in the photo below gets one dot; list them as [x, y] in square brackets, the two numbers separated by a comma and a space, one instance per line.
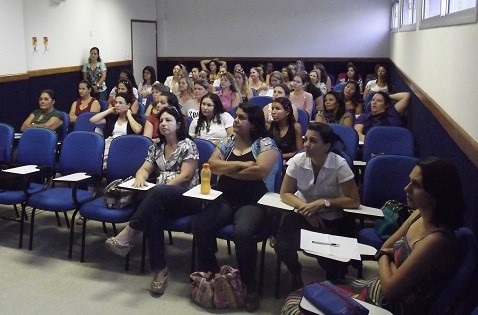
[158, 287]
[116, 247]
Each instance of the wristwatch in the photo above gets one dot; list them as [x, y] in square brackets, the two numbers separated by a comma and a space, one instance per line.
[326, 203]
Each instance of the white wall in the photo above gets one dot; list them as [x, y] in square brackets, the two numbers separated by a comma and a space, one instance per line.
[443, 62]
[72, 27]
[272, 28]
[12, 48]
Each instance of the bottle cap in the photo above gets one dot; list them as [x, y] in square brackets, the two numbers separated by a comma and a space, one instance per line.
[205, 165]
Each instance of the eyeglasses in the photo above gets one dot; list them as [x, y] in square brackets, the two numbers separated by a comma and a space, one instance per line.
[44, 99]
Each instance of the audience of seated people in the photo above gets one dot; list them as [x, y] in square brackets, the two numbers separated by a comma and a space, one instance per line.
[125, 86]
[228, 93]
[335, 112]
[161, 100]
[174, 158]
[382, 113]
[247, 163]
[416, 261]
[85, 103]
[284, 129]
[94, 71]
[318, 182]
[381, 83]
[213, 122]
[45, 117]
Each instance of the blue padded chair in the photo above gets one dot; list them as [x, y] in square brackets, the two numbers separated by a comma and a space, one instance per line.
[103, 105]
[37, 146]
[184, 223]
[83, 122]
[385, 178]
[384, 140]
[227, 232]
[461, 277]
[349, 139]
[82, 151]
[303, 119]
[233, 111]
[63, 130]
[339, 87]
[261, 101]
[7, 134]
[125, 157]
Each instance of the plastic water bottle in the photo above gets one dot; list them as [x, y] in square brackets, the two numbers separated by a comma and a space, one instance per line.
[205, 179]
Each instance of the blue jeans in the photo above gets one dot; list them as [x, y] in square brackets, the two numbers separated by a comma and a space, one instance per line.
[162, 201]
[247, 221]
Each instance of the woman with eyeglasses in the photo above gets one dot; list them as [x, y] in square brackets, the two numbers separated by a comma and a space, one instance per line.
[45, 117]
[174, 158]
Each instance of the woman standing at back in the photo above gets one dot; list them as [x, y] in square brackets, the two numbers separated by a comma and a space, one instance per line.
[94, 71]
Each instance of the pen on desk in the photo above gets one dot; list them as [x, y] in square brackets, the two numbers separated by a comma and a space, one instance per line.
[323, 243]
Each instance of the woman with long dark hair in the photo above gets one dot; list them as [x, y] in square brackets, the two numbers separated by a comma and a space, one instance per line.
[175, 160]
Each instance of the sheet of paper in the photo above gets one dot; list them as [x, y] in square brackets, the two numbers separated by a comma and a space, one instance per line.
[273, 200]
[72, 177]
[128, 185]
[376, 212]
[331, 246]
[23, 170]
[195, 192]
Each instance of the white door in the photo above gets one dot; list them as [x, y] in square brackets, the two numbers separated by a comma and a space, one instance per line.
[143, 47]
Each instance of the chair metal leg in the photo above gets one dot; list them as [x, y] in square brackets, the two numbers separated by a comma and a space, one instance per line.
[22, 222]
[83, 237]
[16, 211]
[193, 255]
[32, 223]
[58, 219]
[143, 253]
[170, 238]
[278, 271]
[67, 221]
[229, 248]
[115, 232]
[104, 228]
[261, 269]
[72, 232]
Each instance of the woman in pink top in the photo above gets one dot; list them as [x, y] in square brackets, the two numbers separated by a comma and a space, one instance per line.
[229, 95]
[299, 97]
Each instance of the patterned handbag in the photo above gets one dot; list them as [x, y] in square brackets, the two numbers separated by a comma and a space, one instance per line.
[394, 215]
[222, 290]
